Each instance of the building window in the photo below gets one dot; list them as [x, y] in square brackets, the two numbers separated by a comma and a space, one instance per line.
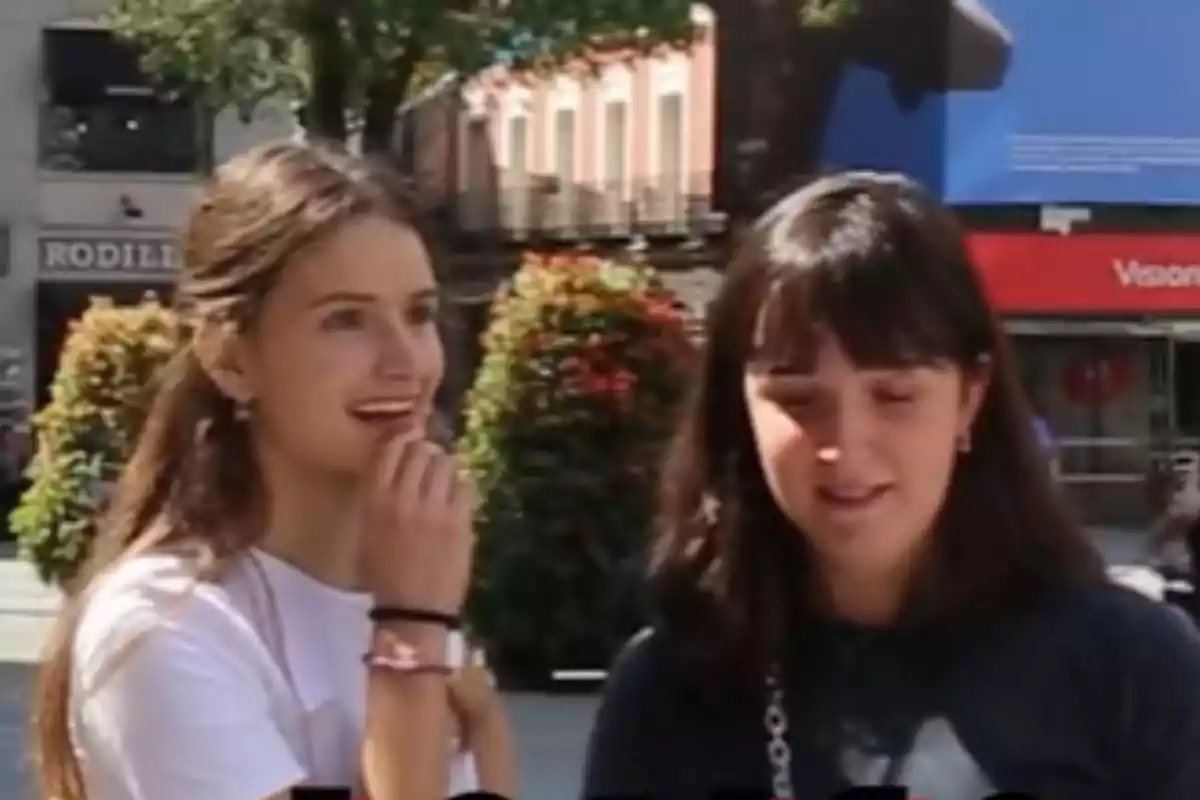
[616, 164]
[564, 167]
[616, 143]
[670, 157]
[477, 166]
[101, 114]
[519, 189]
[479, 155]
[518, 150]
[564, 145]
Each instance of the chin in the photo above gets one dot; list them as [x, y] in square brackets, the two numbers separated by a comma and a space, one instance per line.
[868, 551]
[344, 459]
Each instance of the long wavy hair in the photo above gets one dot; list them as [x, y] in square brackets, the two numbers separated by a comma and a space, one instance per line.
[193, 470]
[874, 261]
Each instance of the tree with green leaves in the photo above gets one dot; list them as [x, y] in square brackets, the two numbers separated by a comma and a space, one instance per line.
[350, 64]
[587, 363]
[102, 390]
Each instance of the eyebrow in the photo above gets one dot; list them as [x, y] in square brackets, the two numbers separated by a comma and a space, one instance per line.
[362, 297]
[786, 371]
[783, 379]
[790, 376]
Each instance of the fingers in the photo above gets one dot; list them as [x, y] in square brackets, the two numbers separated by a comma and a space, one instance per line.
[388, 461]
[442, 483]
[418, 515]
[416, 475]
[463, 498]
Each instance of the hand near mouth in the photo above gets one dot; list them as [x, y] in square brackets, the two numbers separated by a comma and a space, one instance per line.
[418, 539]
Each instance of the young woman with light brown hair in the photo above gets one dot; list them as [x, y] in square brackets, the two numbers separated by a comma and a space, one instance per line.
[273, 597]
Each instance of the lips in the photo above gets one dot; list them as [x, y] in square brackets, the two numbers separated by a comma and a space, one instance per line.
[391, 413]
[850, 497]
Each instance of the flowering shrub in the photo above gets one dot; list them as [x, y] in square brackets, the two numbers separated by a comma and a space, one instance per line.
[585, 363]
[100, 395]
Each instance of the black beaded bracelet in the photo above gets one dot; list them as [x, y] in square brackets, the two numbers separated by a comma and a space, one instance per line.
[403, 614]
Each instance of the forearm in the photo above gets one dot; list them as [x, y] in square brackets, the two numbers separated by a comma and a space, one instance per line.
[407, 728]
[495, 757]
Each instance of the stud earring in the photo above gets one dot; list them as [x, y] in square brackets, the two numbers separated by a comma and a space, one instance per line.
[241, 410]
[203, 431]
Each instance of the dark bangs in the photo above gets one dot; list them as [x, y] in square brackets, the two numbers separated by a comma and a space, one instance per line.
[881, 271]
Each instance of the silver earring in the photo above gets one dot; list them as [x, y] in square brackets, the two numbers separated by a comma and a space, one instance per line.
[710, 509]
[203, 431]
[241, 410]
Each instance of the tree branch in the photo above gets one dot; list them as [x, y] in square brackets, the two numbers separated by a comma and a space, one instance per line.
[325, 115]
[384, 95]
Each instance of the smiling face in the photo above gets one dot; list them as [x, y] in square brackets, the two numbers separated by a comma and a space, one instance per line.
[860, 459]
[346, 350]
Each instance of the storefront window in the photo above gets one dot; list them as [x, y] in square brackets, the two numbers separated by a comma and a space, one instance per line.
[1187, 390]
[1107, 405]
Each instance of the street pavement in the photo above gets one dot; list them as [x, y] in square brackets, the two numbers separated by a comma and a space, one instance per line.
[551, 731]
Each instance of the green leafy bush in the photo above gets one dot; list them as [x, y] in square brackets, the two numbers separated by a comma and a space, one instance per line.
[98, 400]
[585, 364]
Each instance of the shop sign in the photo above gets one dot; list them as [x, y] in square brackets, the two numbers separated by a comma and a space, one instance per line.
[1096, 273]
[101, 254]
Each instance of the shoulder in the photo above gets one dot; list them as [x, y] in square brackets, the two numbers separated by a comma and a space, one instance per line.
[1147, 655]
[1100, 639]
[1127, 642]
[172, 692]
[653, 685]
[154, 607]
[641, 671]
[634, 745]
[1125, 615]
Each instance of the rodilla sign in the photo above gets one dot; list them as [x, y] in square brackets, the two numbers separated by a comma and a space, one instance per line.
[1037, 101]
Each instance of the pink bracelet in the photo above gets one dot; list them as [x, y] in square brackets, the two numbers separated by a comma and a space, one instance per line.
[392, 653]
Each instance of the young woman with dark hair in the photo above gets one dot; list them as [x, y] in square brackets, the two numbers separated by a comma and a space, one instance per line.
[865, 576]
[272, 599]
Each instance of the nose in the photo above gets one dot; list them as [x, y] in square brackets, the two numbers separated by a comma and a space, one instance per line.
[845, 432]
[829, 455]
[396, 351]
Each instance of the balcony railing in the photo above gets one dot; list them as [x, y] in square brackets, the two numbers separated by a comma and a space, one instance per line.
[667, 205]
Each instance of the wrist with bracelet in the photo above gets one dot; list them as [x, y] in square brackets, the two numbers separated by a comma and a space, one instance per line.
[400, 654]
[408, 614]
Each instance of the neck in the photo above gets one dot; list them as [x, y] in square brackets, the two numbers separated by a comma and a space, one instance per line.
[873, 599]
[310, 523]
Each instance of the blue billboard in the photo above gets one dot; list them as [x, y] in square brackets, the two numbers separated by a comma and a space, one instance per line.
[1029, 101]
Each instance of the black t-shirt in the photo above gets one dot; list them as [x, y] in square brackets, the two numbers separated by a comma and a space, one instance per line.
[1095, 696]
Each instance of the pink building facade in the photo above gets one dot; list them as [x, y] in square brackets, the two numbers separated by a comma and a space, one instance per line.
[592, 149]
[615, 154]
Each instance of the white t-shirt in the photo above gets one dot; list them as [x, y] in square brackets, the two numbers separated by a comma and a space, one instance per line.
[201, 706]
